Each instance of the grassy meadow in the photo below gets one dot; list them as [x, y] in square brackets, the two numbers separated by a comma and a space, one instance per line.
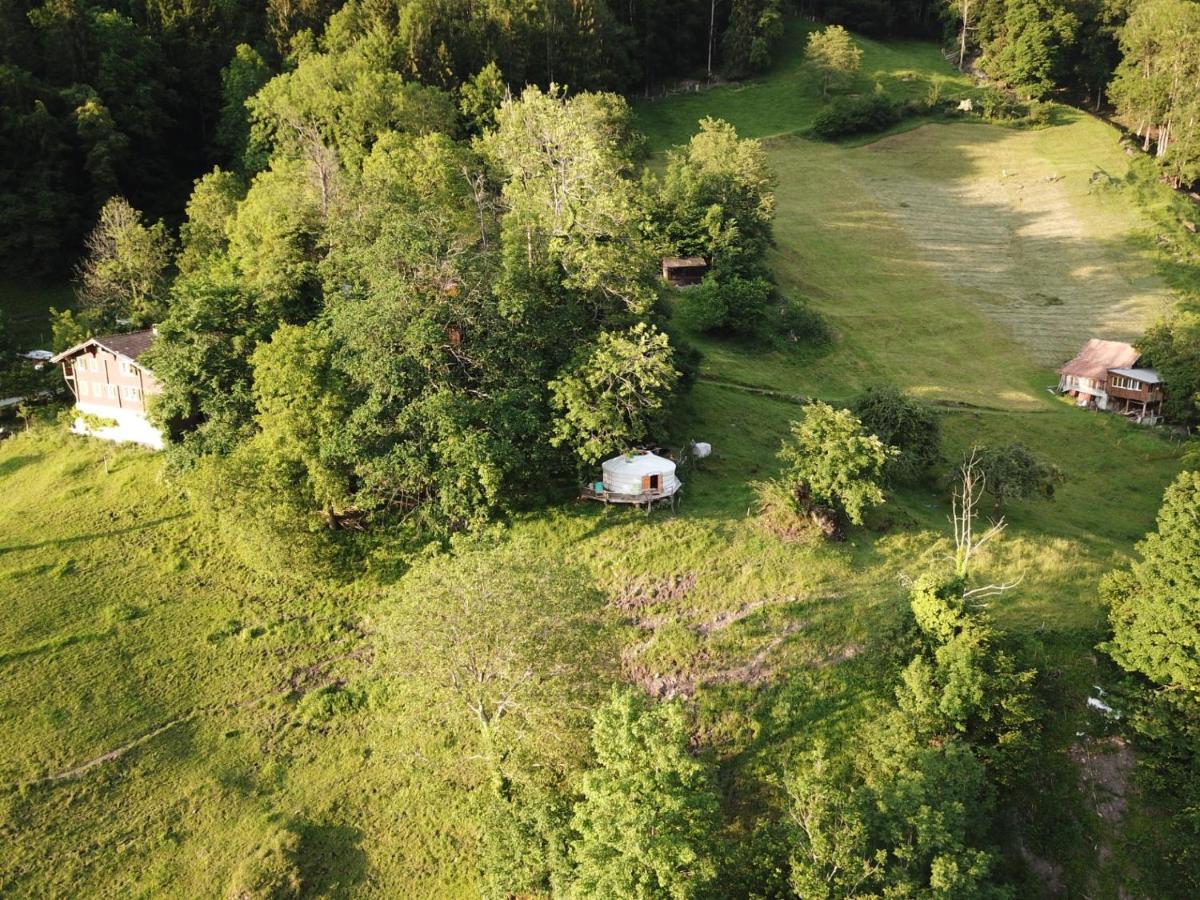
[159, 701]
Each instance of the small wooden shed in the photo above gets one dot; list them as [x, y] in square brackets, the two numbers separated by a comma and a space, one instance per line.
[682, 271]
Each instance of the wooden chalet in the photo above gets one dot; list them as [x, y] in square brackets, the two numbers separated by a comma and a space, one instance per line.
[112, 388]
[1104, 376]
[1137, 393]
[683, 271]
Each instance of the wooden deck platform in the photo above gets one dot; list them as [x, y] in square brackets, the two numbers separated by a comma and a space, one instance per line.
[649, 498]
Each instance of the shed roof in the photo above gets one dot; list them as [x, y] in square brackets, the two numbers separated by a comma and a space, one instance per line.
[131, 344]
[683, 262]
[1145, 376]
[1097, 357]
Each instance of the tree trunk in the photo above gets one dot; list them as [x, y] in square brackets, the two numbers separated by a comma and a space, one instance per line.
[712, 25]
[962, 43]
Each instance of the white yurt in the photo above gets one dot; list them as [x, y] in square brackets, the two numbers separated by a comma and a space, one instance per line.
[640, 473]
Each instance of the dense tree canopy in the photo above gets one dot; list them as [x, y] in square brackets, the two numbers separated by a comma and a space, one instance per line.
[1154, 605]
[137, 101]
[648, 821]
[833, 462]
[1173, 348]
[1157, 84]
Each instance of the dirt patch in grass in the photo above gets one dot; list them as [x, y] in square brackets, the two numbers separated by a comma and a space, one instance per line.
[666, 686]
[1104, 768]
[1105, 765]
[643, 592]
[1049, 874]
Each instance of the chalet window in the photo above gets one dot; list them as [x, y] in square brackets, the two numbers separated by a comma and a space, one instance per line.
[83, 389]
[112, 391]
[129, 392]
[128, 368]
[1120, 381]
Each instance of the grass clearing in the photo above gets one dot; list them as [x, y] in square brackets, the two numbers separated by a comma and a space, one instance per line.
[785, 100]
[126, 612]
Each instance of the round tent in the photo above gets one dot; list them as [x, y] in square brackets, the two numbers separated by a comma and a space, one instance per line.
[641, 473]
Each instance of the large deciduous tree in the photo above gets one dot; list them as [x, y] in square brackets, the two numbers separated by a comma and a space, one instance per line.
[1011, 471]
[570, 202]
[1173, 348]
[649, 818]
[907, 424]
[833, 58]
[716, 200]
[124, 273]
[831, 462]
[613, 396]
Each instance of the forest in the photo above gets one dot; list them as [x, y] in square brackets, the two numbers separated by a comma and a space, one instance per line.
[139, 100]
[402, 259]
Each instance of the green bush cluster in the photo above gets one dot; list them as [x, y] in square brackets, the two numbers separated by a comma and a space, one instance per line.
[749, 308]
[848, 116]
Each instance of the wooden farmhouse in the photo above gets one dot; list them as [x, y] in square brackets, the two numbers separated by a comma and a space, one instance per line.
[112, 388]
[1104, 376]
[683, 271]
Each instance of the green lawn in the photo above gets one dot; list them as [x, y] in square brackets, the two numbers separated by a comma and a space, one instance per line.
[128, 618]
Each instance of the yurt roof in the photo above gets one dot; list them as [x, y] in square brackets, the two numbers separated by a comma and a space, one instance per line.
[641, 464]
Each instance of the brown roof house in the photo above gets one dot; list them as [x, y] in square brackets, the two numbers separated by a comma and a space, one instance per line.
[112, 388]
[1103, 376]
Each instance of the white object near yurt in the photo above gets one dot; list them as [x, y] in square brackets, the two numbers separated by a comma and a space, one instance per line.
[701, 449]
[641, 473]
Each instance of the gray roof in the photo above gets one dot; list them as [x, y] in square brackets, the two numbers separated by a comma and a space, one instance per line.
[1146, 376]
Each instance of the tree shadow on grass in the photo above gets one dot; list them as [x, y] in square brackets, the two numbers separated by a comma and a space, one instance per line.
[15, 463]
[332, 860]
[82, 538]
[57, 643]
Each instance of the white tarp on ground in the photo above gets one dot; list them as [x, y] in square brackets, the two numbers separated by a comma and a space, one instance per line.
[625, 474]
[131, 426]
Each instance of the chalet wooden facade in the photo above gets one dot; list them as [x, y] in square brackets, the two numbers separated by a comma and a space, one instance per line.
[112, 388]
[1104, 376]
[1136, 392]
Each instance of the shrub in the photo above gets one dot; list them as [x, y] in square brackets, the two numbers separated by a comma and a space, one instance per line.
[800, 323]
[1012, 472]
[859, 115]
[732, 306]
[906, 424]
[997, 104]
[1039, 114]
[778, 512]
[331, 701]
[702, 308]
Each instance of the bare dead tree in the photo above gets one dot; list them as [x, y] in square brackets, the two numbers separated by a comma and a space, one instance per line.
[964, 510]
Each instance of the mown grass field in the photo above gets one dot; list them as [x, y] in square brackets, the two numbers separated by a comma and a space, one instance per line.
[229, 695]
